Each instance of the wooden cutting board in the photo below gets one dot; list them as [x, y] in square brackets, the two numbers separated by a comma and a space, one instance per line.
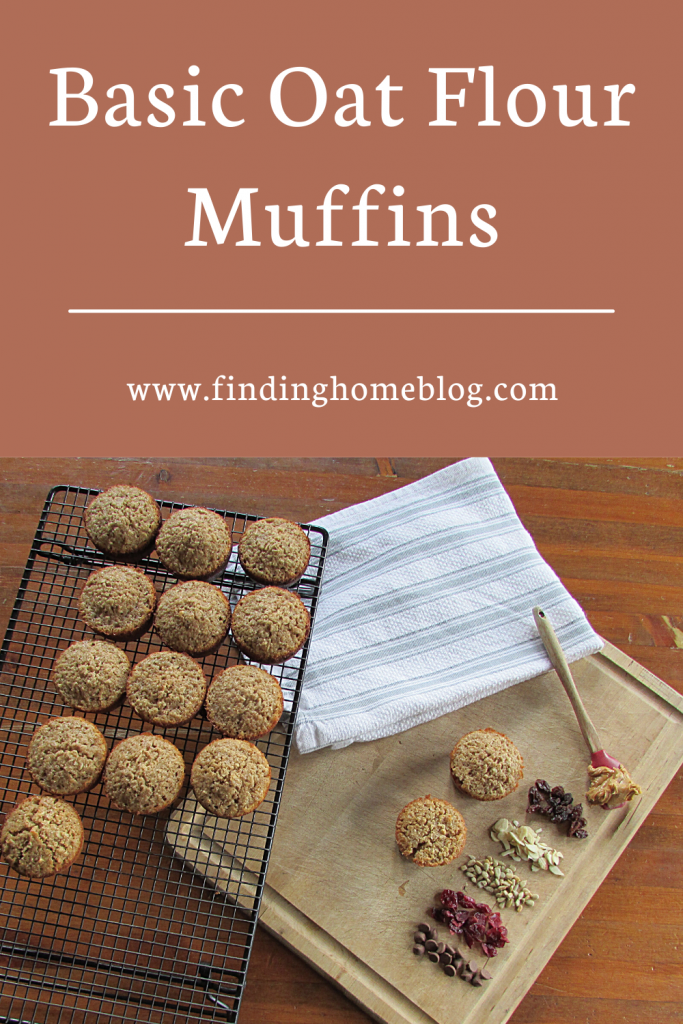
[339, 893]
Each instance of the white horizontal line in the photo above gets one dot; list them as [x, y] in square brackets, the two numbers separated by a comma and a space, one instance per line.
[341, 311]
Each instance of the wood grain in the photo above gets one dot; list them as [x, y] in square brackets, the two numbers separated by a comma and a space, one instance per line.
[613, 529]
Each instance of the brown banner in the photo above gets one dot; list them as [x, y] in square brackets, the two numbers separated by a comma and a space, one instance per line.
[523, 277]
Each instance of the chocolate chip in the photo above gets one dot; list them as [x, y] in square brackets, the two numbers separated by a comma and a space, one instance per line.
[466, 975]
[430, 945]
[418, 949]
[422, 927]
[473, 966]
[449, 970]
[420, 937]
[445, 958]
[485, 974]
[433, 934]
[476, 980]
[434, 957]
[440, 947]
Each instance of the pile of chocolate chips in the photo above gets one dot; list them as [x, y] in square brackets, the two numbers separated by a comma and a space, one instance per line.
[453, 961]
[558, 806]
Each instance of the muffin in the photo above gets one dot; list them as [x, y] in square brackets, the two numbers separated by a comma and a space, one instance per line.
[193, 617]
[167, 688]
[144, 774]
[244, 702]
[122, 521]
[430, 832]
[91, 675]
[118, 601]
[270, 625]
[230, 778]
[194, 543]
[274, 551]
[486, 764]
[41, 837]
[66, 756]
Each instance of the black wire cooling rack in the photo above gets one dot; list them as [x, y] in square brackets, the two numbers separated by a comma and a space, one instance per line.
[128, 933]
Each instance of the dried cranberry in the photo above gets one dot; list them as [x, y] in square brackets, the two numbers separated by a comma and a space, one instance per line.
[476, 922]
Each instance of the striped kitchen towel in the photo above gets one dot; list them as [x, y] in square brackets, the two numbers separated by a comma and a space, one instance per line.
[426, 607]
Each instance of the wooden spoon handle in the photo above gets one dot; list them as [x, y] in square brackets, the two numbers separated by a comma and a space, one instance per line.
[559, 662]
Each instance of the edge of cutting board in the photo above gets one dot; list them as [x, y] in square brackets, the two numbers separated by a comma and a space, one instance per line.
[330, 958]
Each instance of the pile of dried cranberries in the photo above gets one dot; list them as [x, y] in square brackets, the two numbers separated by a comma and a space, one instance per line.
[476, 922]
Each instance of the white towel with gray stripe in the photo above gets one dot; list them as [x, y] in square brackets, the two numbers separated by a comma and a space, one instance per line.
[426, 607]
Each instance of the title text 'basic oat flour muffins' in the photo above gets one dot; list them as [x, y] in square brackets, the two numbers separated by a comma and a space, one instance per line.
[274, 551]
[193, 617]
[194, 543]
[122, 521]
[270, 625]
[486, 764]
[244, 702]
[66, 756]
[91, 675]
[144, 774]
[167, 688]
[42, 836]
[230, 778]
[118, 601]
[430, 832]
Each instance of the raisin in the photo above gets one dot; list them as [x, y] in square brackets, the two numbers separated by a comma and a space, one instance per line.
[558, 806]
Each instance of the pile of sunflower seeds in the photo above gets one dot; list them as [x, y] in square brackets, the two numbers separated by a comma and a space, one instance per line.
[520, 842]
[499, 879]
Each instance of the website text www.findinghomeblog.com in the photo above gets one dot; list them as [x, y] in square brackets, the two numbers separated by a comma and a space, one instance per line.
[224, 388]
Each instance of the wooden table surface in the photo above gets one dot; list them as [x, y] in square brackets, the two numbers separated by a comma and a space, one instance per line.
[613, 531]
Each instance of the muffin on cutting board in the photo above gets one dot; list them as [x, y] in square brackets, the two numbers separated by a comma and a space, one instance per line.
[486, 764]
[430, 832]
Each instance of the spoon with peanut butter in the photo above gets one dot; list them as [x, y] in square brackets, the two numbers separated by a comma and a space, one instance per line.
[611, 786]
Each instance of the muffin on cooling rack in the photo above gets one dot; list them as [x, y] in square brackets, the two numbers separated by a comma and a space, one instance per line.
[194, 543]
[230, 778]
[118, 601]
[486, 764]
[66, 756]
[274, 551]
[244, 702]
[193, 617]
[270, 625]
[167, 688]
[41, 837]
[122, 521]
[144, 774]
[91, 675]
[430, 832]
